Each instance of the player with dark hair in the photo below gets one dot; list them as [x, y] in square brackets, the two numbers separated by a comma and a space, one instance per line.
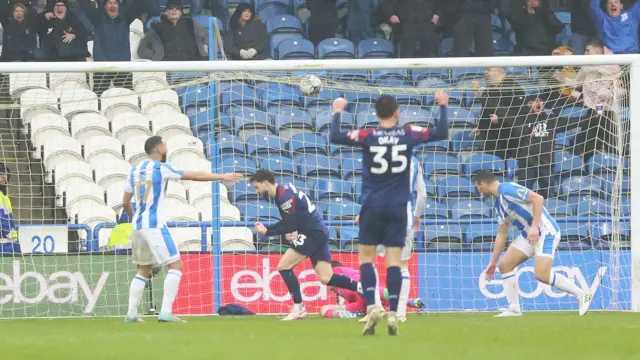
[309, 236]
[386, 194]
[151, 241]
[524, 209]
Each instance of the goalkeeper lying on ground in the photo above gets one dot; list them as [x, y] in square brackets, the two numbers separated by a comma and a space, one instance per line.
[354, 304]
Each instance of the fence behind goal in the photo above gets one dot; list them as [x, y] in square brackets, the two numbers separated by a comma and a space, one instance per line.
[73, 148]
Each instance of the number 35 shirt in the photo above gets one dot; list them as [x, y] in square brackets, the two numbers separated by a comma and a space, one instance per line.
[298, 213]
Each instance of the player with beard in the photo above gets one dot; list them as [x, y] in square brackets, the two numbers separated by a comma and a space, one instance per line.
[309, 236]
[151, 241]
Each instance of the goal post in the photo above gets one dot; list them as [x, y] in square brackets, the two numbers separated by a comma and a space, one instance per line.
[244, 115]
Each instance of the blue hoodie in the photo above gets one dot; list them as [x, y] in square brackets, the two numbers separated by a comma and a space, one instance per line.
[620, 34]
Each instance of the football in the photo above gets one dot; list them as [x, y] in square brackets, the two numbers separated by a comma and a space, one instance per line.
[310, 85]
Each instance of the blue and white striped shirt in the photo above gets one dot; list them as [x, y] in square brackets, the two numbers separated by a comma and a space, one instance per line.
[418, 188]
[512, 207]
[148, 183]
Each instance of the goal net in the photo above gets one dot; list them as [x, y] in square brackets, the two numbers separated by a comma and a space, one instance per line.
[70, 139]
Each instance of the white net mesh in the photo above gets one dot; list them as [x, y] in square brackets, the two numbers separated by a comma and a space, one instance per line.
[70, 144]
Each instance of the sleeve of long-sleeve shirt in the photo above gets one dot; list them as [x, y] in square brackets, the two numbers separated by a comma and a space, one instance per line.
[290, 220]
[351, 137]
[598, 15]
[421, 190]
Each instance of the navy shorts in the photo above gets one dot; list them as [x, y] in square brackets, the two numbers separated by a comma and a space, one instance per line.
[314, 245]
[384, 225]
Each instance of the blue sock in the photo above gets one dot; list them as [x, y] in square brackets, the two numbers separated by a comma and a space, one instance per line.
[394, 284]
[292, 284]
[343, 282]
[369, 281]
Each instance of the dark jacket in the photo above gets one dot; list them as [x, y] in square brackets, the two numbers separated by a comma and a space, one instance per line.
[152, 48]
[19, 40]
[252, 35]
[507, 101]
[414, 15]
[477, 7]
[536, 134]
[535, 33]
[51, 34]
[111, 34]
[581, 22]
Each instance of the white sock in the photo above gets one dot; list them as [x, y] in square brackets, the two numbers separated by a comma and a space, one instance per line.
[378, 301]
[511, 289]
[135, 294]
[171, 283]
[404, 293]
[561, 282]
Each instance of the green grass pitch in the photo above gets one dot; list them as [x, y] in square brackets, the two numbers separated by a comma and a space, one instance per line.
[540, 336]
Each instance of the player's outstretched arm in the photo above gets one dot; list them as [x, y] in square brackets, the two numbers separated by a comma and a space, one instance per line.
[498, 247]
[441, 131]
[205, 176]
[335, 135]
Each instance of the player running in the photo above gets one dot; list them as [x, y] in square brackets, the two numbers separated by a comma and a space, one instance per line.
[386, 194]
[306, 231]
[539, 236]
[354, 305]
[151, 241]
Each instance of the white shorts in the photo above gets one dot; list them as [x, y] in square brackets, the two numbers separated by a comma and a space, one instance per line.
[546, 246]
[406, 250]
[153, 247]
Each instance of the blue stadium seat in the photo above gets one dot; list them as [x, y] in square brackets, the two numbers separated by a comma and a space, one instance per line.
[558, 208]
[295, 49]
[501, 45]
[308, 144]
[512, 167]
[266, 145]
[269, 8]
[230, 144]
[564, 36]
[299, 184]
[349, 235]
[573, 113]
[580, 185]
[463, 141]
[426, 149]
[456, 186]
[564, 17]
[496, 23]
[407, 99]
[602, 163]
[389, 78]
[419, 74]
[479, 236]
[342, 210]
[295, 119]
[356, 97]
[319, 165]
[351, 167]
[280, 165]
[368, 104]
[238, 94]
[593, 206]
[323, 121]
[284, 24]
[350, 76]
[446, 47]
[574, 236]
[604, 231]
[566, 139]
[277, 38]
[565, 163]
[243, 191]
[336, 48]
[375, 49]
[431, 188]
[432, 82]
[239, 164]
[330, 189]
[442, 165]
[443, 236]
[469, 208]
[467, 73]
[365, 120]
[250, 118]
[203, 20]
[325, 97]
[195, 95]
[608, 181]
[280, 94]
[434, 210]
[477, 162]
[416, 115]
[253, 210]
[458, 117]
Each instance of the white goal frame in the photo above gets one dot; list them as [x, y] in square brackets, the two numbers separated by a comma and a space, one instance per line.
[632, 61]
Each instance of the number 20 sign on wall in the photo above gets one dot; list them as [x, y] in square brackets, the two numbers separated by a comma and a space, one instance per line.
[49, 239]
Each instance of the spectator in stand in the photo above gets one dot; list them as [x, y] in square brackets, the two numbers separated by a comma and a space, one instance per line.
[618, 27]
[601, 87]
[111, 21]
[78, 11]
[247, 38]
[535, 27]
[536, 132]
[324, 20]
[561, 81]
[174, 37]
[63, 36]
[220, 9]
[414, 22]
[20, 42]
[8, 229]
[359, 19]
[502, 102]
[472, 24]
[582, 28]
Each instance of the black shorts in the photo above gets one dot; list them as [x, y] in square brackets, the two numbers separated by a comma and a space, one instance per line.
[314, 245]
[384, 225]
